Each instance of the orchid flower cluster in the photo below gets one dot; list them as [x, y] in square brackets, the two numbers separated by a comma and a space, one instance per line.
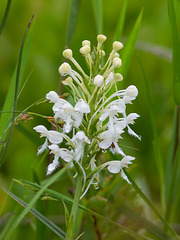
[96, 121]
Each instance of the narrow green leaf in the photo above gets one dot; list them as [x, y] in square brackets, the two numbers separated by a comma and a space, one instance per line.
[5, 16]
[11, 99]
[150, 227]
[172, 150]
[143, 196]
[98, 13]
[176, 51]
[74, 7]
[120, 24]
[59, 232]
[34, 200]
[127, 51]
[9, 222]
[66, 213]
[157, 149]
[56, 195]
[174, 184]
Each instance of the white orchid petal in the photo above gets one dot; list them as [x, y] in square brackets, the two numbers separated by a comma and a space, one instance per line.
[131, 132]
[52, 166]
[77, 116]
[114, 166]
[42, 148]
[65, 155]
[105, 143]
[41, 129]
[52, 96]
[54, 137]
[123, 175]
[104, 115]
[82, 106]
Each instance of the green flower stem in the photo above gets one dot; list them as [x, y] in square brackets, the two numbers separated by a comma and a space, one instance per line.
[74, 210]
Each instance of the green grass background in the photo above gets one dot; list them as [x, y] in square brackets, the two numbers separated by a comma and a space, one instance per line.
[48, 42]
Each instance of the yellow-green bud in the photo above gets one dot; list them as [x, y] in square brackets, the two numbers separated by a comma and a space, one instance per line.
[102, 53]
[116, 55]
[117, 46]
[118, 77]
[101, 38]
[85, 50]
[117, 62]
[86, 42]
[68, 81]
[64, 69]
[67, 53]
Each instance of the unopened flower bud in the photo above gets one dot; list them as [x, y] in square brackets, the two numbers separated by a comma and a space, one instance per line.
[117, 46]
[118, 77]
[64, 69]
[102, 53]
[86, 42]
[68, 81]
[132, 91]
[67, 53]
[101, 38]
[117, 62]
[116, 55]
[98, 80]
[85, 50]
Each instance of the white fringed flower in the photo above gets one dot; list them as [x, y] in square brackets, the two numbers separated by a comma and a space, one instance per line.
[97, 119]
[79, 139]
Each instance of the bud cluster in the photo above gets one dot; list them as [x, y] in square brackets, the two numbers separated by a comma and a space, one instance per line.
[97, 119]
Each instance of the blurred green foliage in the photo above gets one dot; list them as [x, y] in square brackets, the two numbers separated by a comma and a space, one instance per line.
[48, 42]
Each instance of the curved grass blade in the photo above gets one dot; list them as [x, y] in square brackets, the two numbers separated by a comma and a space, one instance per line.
[59, 232]
[176, 51]
[74, 7]
[143, 196]
[156, 145]
[173, 188]
[127, 51]
[120, 24]
[5, 16]
[145, 223]
[149, 226]
[50, 181]
[11, 102]
[98, 12]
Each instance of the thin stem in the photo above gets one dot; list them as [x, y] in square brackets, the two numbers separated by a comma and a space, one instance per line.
[74, 210]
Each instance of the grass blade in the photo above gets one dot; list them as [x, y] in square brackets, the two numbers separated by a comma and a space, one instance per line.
[157, 149]
[176, 51]
[34, 200]
[173, 188]
[74, 7]
[5, 16]
[98, 13]
[150, 227]
[59, 232]
[11, 99]
[120, 24]
[141, 194]
[58, 196]
[127, 51]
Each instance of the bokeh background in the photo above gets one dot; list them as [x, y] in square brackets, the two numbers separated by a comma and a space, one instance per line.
[153, 49]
